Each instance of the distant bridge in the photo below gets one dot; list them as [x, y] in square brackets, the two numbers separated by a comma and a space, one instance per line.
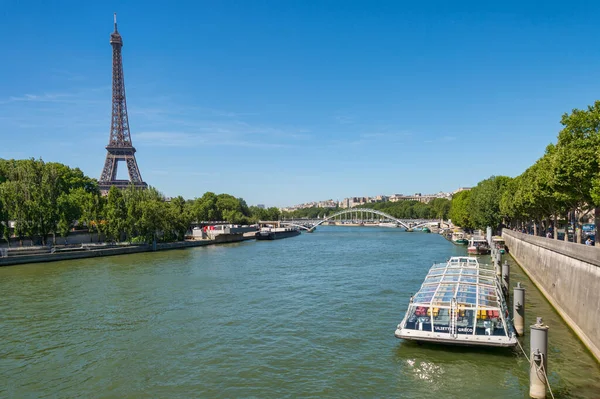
[310, 225]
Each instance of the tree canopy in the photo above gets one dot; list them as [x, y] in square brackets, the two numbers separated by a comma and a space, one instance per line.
[564, 181]
[44, 198]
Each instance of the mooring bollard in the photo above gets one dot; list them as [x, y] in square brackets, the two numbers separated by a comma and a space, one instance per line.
[505, 278]
[519, 309]
[538, 361]
[497, 267]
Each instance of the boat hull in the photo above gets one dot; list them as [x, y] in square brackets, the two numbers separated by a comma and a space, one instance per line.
[276, 235]
[478, 251]
[460, 339]
[461, 241]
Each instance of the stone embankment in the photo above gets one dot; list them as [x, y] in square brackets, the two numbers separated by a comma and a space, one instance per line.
[568, 274]
[44, 254]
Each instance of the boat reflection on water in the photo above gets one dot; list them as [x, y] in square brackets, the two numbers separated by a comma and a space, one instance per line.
[428, 370]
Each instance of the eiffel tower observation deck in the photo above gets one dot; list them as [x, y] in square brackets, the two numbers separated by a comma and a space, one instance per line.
[119, 146]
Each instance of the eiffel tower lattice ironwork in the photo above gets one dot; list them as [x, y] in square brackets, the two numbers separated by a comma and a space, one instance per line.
[119, 146]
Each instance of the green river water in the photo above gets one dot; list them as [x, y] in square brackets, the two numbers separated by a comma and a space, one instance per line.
[309, 316]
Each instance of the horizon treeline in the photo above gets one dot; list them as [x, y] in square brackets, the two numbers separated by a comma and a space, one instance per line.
[561, 188]
[49, 198]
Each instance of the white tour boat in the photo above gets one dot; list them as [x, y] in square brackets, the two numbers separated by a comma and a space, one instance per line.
[460, 302]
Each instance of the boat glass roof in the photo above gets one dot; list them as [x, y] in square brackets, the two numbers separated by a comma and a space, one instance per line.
[462, 278]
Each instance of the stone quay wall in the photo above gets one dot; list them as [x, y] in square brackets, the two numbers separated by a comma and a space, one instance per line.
[43, 255]
[568, 274]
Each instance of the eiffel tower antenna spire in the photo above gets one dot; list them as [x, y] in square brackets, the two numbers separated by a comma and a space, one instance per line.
[119, 146]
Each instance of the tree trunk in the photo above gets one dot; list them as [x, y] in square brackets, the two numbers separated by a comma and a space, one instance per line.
[576, 228]
[555, 226]
[535, 228]
[567, 224]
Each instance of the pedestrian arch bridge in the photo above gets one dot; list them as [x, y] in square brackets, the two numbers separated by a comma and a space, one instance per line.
[363, 215]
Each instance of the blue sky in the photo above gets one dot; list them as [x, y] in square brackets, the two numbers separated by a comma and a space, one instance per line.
[282, 102]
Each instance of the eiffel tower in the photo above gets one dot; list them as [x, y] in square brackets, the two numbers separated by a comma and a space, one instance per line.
[119, 145]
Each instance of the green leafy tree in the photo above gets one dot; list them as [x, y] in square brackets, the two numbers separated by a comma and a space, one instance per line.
[134, 199]
[115, 215]
[178, 218]
[90, 206]
[460, 209]
[440, 207]
[228, 207]
[68, 212]
[154, 218]
[577, 165]
[205, 208]
[484, 202]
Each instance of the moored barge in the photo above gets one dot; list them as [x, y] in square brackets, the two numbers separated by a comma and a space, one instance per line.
[275, 233]
[478, 245]
[460, 303]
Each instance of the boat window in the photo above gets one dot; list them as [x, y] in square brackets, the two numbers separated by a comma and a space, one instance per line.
[450, 278]
[489, 322]
[464, 320]
[442, 300]
[467, 289]
[467, 299]
[432, 279]
[485, 280]
[419, 318]
[441, 320]
[424, 297]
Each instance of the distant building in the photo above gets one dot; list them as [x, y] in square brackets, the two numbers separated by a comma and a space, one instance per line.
[461, 189]
[261, 206]
[327, 204]
[351, 202]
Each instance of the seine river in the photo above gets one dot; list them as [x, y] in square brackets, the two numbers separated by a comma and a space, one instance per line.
[309, 316]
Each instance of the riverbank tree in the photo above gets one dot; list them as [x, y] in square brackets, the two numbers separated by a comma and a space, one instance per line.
[43, 199]
[561, 189]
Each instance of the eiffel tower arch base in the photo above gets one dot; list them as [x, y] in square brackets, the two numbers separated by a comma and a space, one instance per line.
[111, 164]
